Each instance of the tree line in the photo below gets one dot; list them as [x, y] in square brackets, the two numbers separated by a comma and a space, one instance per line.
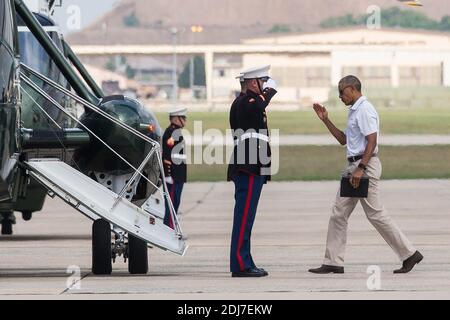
[392, 17]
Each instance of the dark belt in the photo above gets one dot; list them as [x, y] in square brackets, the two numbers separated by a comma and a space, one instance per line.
[356, 158]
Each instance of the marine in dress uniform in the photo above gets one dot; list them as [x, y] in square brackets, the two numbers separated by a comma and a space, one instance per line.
[174, 160]
[249, 166]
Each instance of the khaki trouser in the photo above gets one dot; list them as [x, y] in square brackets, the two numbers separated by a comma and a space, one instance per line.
[375, 212]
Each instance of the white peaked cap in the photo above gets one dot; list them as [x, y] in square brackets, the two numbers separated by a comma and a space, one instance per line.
[178, 112]
[240, 77]
[256, 73]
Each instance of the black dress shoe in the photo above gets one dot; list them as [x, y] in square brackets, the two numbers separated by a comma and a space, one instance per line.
[252, 273]
[255, 267]
[262, 270]
[409, 263]
[324, 269]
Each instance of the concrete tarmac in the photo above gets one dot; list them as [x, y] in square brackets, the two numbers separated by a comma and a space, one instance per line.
[288, 238]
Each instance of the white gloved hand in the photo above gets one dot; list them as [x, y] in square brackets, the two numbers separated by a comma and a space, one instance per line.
[169, 180]
[270, 84]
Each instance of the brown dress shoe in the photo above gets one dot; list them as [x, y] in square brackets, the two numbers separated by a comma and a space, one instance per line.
[409, 263]
[324, 269]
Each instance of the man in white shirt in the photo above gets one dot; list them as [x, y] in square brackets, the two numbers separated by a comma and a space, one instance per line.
[361, 139]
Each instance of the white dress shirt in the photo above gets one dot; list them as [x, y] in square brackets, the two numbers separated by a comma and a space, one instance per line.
[363, 120]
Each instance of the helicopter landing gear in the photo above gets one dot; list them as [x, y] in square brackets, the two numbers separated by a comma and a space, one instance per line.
[137, 255]
[7, 229]
[7, 219]
[27, 215]
[101, 248]
[135, 251]
[119, 247]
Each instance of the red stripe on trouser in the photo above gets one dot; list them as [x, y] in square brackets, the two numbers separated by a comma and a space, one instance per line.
[244, 222]
[172, 197]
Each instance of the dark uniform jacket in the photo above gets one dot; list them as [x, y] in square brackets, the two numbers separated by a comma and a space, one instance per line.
[233, 114]
[248, 121]
[174, 158]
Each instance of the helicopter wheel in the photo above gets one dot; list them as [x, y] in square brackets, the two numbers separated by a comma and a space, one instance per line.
[137, 255]
[27, 215]
[7, 219]
[7, 228]
[101, 248]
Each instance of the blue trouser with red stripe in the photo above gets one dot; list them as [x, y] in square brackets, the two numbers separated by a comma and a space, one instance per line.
[175, 191]
[247, 192]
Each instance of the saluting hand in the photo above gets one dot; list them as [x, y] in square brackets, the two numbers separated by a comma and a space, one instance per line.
[321, 111]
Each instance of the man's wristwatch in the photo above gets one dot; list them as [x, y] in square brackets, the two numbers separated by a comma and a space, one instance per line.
[362, 166]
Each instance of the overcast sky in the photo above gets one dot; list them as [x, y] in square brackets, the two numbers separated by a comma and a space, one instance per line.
[89, 11]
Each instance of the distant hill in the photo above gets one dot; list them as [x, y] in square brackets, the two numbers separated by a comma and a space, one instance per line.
[226, 21]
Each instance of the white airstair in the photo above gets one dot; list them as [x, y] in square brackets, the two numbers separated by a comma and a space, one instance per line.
[93, 199]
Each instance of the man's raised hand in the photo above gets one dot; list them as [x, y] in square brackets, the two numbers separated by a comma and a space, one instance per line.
[321, 111]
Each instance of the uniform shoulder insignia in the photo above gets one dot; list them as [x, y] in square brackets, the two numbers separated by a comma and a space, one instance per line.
[170, 142]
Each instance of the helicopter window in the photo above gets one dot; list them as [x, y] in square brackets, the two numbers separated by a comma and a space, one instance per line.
[7, 27]
[6, 56]
[34, 55]
[2, 15]
[6, 73]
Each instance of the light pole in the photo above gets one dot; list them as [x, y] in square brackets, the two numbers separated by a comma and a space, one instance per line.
[191, 74]
[194, 29]
[174, 32]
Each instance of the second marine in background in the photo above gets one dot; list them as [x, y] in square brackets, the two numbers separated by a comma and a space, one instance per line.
[174, 160]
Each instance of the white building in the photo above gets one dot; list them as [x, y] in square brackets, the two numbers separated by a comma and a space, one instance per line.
[308, 66]
[385, 58]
